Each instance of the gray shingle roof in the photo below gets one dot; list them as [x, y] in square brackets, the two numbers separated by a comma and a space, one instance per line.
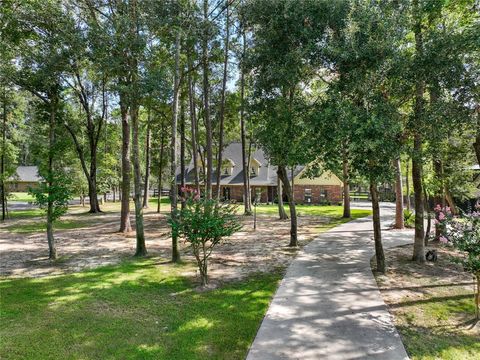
[26, 174]
[267, 175]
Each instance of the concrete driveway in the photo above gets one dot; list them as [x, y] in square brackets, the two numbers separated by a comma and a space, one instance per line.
[328, 305]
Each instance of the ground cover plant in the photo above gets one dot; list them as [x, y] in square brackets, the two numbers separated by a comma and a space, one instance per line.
[141, 309]
[432, 305]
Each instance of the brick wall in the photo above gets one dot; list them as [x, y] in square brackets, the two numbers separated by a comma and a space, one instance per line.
[333, 193]
[21, 186]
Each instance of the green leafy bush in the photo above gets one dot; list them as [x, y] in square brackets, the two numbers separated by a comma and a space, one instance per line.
[463, 232]
[408, 218]
[203, 224]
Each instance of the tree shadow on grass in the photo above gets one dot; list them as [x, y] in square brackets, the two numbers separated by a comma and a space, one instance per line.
[138, 309]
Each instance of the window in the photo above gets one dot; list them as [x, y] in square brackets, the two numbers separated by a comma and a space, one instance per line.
[254, 167]
[227, 167]
[307, 196]
[226, 193]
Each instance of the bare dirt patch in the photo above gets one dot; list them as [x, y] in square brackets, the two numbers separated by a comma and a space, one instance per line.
[26, 255]
[432, 304]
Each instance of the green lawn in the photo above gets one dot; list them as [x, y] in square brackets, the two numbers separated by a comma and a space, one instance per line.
[40, 225]
[25, 214]
[434, 310]
[308, 210]
[20, 196]
[334, 213]
[141, 309]
[428, 332]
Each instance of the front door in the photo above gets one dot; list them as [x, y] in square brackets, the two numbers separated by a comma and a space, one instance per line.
[226, 193]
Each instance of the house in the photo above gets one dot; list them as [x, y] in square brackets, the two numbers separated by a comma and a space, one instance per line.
[24, 178]
[263, 179]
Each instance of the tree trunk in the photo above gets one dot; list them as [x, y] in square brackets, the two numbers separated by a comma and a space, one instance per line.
[407, 184]
[193, 122]
[52, 249]
[90, 174]
[451, 202]
[141, 249]
[282, 173]
[477, 297]
[429, 216]
[419, 243]
[93, 196]
[160, 169]
[281, 209]
[2, 165]
[245, 166]
[399, 224]
[173, 148]
[182, 150]
[147, 163]
[476, 144]
[206, 103]
[222, 101]
[417, 159]
[125, 225]
[346, 188]
[377, 232]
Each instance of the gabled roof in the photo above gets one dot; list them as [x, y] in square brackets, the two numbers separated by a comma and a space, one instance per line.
[267, 175]
[26, 174]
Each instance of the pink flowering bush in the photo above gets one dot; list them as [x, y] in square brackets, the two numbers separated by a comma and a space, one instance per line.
[463, 232]
[442, 216]
[203, 224]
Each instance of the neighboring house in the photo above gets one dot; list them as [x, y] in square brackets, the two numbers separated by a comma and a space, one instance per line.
[25, 177]
[263, 179]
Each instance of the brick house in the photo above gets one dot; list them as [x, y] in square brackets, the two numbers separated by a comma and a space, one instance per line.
[263, 180]
[24, 178]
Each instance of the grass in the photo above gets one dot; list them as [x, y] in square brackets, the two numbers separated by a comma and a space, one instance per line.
[38, 226]
[303, 210]
[432, 305]
[334, 213]
[21, 196]
[142, 309]
[25, 214]
[427, 328]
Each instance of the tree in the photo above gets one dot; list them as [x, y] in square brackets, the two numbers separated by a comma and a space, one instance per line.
[41, 62]
[88, 85]
[173, 148]
[206, 100]
[110, 30]
[222, 101]
[204, 223]
[281, 64]
[363, 53]
[464, 234]
[13, 109]
[441, 80]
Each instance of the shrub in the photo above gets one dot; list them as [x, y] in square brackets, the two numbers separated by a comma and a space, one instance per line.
[408, 218]
[463, 232]
[203, 224]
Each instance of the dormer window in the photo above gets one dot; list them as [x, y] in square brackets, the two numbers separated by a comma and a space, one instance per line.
[254, 167]
[227, 167]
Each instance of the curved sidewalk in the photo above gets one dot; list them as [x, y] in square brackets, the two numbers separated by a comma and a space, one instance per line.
[328, 305]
